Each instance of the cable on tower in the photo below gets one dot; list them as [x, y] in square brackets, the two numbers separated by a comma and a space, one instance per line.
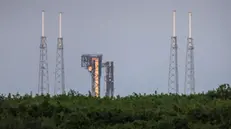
[173, 86]
[189, 87]
[43, 84]
[59, 87]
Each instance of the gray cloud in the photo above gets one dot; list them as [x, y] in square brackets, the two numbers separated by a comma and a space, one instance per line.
[135, 34]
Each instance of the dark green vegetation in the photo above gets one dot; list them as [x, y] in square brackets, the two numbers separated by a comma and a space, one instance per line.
[210, 110]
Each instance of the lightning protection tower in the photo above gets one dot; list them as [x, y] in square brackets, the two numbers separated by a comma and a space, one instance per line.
[109, 78]
[173, 86]
[59, 87]
[43, 84]
[189, 87]
[93, 63]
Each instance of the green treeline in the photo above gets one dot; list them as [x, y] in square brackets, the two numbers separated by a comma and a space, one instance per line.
[211, 110]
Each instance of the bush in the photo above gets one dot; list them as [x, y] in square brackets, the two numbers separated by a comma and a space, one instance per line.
[210, 110]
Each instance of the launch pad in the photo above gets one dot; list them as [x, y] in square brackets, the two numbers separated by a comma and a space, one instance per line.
[93, 63]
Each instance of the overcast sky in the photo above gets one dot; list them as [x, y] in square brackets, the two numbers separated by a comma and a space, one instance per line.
[135, 34]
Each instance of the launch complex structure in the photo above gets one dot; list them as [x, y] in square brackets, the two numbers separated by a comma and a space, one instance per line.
[43, 84]
[59, 87]
[189, 66]
[93, 63]
[173, 79]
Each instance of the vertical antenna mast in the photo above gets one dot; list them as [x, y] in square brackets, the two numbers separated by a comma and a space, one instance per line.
[59, 70]
[43, 84]
[189, 87]
[173, 86]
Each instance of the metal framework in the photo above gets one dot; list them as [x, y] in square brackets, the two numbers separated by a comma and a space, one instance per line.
[189, 67]
[93, 63]
[109, 78]
[173, 85]
[59, 87]
[43, 84]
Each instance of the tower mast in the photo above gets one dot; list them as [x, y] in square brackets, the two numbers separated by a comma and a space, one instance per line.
[59, 87]
[189, 87]
[43, 84]
[173, 86]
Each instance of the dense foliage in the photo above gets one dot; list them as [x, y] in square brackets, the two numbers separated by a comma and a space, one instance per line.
[211, 110]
